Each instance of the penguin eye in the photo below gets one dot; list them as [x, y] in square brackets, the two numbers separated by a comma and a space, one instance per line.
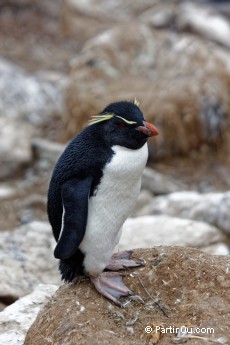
[121, 125]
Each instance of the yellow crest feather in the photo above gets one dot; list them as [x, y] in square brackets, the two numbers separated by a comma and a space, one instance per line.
[127, 121]
[100, 118]
[136, 102]
[104, 117]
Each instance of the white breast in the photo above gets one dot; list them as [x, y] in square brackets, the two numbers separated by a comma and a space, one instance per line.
[112, 204]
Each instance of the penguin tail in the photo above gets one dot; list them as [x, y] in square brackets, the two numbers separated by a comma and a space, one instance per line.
[72, 266]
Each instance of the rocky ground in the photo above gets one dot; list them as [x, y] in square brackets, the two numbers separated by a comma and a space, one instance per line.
[63, 61]
[174, 287]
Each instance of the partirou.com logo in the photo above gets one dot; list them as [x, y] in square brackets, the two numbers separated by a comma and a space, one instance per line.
[182, 330]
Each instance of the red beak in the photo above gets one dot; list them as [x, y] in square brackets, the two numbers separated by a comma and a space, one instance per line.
[148, 129]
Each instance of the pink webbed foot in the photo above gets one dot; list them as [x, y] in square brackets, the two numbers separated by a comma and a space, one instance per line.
[110, 285]
[121, 261]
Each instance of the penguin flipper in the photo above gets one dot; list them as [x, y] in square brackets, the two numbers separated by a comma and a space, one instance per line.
[75, 195]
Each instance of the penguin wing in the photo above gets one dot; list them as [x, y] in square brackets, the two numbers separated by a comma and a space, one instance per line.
[75, 195]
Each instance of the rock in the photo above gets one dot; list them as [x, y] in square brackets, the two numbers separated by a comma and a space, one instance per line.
[161, 15]
[6, 191]
[16, 319]
[47, 151]
[178, 287]
[158, 183]
[150, 231]
[86, 19]
[222, 7]
[27, 97]
[212, 208]
[27, 103]
[134, 60]
[15, 145]
[217, 249]
[144, 198]
[205, 21]
[26, 256]
[83, 20]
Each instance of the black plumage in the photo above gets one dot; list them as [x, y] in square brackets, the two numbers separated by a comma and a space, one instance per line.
[85, 156]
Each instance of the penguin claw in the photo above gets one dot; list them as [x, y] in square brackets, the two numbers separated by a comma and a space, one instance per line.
[121, 261]
[122, 264]
[110, 285]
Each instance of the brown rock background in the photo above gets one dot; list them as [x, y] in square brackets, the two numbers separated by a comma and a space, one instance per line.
[181, 79]
[181, 82]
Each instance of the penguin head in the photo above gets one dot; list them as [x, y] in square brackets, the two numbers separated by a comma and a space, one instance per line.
[123, 124]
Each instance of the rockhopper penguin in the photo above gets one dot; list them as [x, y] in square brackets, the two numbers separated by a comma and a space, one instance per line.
[92, 191]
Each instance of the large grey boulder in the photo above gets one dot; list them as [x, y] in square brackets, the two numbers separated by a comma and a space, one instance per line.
[212, 208]
[6, 191]
[158, 183]
[204, 21]
[27, 103]
[16, 319]
[26, 259]
[151, 231]
[26, 96]
[15, 145]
